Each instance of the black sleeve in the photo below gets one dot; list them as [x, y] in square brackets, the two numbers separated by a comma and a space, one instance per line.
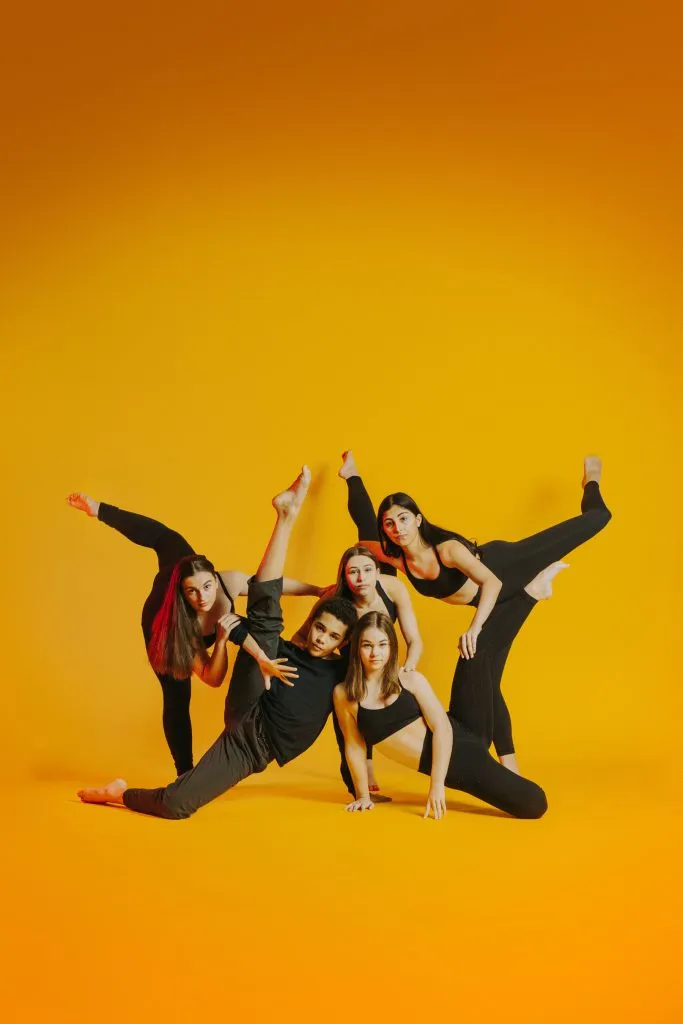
[239, 633]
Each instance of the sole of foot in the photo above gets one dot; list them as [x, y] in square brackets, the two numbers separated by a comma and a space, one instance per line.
[541, 587]
[289, 502]
[82, 502]
[592, 469]
[111, 793]
[348, 467]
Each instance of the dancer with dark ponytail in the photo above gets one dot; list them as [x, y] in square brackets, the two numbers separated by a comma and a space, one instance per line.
[190, 608]
[503, 580]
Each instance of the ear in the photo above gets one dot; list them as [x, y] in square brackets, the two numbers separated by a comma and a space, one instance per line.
[418, 519]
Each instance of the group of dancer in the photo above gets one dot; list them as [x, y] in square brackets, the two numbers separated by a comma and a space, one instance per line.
[344, 660]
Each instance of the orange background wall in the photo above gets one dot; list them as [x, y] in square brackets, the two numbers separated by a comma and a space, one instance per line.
[234, 240]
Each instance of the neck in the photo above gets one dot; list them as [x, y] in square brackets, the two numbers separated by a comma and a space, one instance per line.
[374, 679]
[415, 547]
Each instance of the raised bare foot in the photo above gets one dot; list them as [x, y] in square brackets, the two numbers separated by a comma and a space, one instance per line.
[289, 502]
[83, 503]
[541, 586]
[109, 794]
[592, 469]
[509, 761]
[348, 467]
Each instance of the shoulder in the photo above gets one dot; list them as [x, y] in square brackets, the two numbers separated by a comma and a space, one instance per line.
[395, 588]
[412, 680]
[341, 701]
[452, 551]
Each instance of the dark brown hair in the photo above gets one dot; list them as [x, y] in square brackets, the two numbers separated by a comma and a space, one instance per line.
[354, 683]
[429, 532]
[342, 588]
[176, 635]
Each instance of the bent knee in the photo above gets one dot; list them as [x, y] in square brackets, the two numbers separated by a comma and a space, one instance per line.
[534, 804]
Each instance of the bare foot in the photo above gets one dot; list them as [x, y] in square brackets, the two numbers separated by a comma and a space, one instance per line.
[541, 586]
[109, 794]
[289, 502]
[83, 503]
[592, 469]
[348, 467]
[509, 761]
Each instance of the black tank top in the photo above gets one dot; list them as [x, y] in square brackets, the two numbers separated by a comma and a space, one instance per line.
[376, 724]
[210, 640]
[388, 603]
[448, 582]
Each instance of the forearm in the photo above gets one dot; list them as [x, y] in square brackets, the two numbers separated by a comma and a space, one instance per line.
[251, 647]
[414, 651]
[488, 595]
[358, 766]
[442, 746]
[215, 670]
[297, 588]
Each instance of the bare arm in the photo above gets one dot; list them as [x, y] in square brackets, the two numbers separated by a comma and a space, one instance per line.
[212, 668]
[237, 585]
[442, 743]
[407, 621]
[456, 555]
[354, 748]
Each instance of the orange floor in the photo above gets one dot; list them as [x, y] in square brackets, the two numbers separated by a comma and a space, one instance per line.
[274, 903]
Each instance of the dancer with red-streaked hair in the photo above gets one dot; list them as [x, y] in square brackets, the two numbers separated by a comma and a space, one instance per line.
[190, 608]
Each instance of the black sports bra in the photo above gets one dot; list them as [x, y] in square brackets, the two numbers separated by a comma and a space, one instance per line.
[376, 724]
[388, 603]
[447, 583]
[210, 639]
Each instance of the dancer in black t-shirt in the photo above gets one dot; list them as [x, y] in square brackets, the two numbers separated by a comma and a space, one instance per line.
[263, 724]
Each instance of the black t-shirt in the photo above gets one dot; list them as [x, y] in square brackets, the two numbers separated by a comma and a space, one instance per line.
[294, 716]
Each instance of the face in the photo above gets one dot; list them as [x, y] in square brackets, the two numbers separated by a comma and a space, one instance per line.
[374, 649]
[400, 525]
[200, 591]
[326, 634]
[361, 574]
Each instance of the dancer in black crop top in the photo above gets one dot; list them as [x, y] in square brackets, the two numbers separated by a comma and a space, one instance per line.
[445, 565]
[359, 580]
[380, 703]
[207, 614]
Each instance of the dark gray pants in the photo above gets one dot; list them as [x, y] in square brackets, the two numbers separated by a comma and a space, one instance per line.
[242, 748]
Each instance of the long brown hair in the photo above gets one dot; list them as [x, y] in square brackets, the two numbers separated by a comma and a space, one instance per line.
[176, 635]
[342, 588]
[355, 685]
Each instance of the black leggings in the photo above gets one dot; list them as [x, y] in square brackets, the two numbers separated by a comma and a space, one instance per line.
[170, 547]
[472, 770]
[476, 698]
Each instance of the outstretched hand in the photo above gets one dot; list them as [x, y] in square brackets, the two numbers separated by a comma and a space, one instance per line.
[278, 668]
[365, 804]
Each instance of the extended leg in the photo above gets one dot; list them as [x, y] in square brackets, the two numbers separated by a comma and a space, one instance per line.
[517, 563]
[169, 546]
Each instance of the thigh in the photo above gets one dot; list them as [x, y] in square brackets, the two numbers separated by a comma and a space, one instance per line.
[226, 762]
[264, 613]
[245, 689]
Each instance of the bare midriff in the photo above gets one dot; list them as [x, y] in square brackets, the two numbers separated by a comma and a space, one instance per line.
[405, 746]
